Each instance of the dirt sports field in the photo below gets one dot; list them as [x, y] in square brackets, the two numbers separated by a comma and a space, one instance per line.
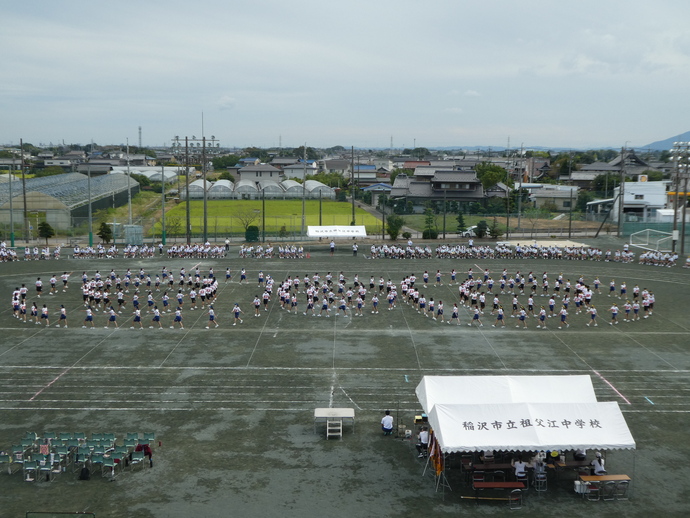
[232, 408]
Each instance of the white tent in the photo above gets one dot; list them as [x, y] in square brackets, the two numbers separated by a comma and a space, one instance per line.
[530, 426]
[477, 390]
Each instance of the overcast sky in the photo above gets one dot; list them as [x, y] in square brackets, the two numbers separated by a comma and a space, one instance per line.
[438, 73]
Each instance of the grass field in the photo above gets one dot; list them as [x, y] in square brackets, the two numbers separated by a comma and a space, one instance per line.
[228, 215]
[233, 406]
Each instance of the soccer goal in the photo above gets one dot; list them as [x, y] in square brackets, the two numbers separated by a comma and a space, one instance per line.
[650, 239]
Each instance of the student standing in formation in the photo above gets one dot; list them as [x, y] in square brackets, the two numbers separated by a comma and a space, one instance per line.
[89, 317]
[454, 315]
[475, 318]
[156, 317]
[63, 316]
[593, 316]
[65, 280]
[236, 311]
[211, 317]
[564, 317]
[177, 319]
[44, 315]
[112, 318]
[257, 306]
[374, 304]
[614, 315]
[137, 319]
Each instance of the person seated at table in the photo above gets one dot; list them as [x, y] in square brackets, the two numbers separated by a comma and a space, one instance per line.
[553, 457]
[387, 423]
[423, 443]
[519, 466]
[598, 465]
[580, 454]
[488, 456]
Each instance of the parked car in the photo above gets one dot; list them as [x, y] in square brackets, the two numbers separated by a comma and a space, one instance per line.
[469, 232]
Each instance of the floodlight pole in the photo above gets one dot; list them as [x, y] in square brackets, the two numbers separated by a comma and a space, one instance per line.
[26, 215]
[163, 236]
[11, 211]
[203, 170]
[621, 196]
[304, 186]
[352, 183]
[186, 169]
[129, 187]
[88, 183]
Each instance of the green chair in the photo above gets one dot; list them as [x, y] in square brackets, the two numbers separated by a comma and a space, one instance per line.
[96, 436]
[130, 443]
[30, 470]
[17, 455]
[80, 436]
[137, 457]
[108, 466]
[27, 444]
[132, 436]
[109, 439]
[51, 436]
[122, 450]
[149, 438]
[65, 436]
[96, 460]
[81, 457]
[73, 443]
[6, 460]
[62, 453]
[44, 466]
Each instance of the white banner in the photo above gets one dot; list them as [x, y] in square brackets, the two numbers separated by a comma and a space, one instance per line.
[337, 231]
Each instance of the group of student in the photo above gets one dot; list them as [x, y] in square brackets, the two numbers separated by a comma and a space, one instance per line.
[109, 294]
[478, 294]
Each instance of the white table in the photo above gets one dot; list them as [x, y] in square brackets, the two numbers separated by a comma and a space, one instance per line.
[324, 414]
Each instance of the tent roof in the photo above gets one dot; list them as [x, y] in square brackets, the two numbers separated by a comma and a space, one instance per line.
[530, 426]
[433, 390]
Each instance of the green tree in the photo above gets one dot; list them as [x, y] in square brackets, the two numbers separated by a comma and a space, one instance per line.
[583, 198]
[482, 229]
[312, 154]
[143, 180]
[225, 175]
[495, 230]
[461, 222]
[223, 162]
[430, 226]
[45, 231]
[394, 225]
[606, 182]
[105, 232]
[395, 172]
[490, 174]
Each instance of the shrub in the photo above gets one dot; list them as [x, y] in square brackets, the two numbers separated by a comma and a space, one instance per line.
[430, 233]
[251, 234]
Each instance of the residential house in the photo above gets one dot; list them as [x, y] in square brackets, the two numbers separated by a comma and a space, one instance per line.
[260, 172]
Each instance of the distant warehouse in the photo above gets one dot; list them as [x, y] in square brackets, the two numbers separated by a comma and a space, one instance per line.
[63, 199]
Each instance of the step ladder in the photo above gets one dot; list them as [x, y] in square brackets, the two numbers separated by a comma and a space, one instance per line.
[334, 428]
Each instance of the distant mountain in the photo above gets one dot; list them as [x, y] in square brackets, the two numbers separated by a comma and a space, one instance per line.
[667, 144]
